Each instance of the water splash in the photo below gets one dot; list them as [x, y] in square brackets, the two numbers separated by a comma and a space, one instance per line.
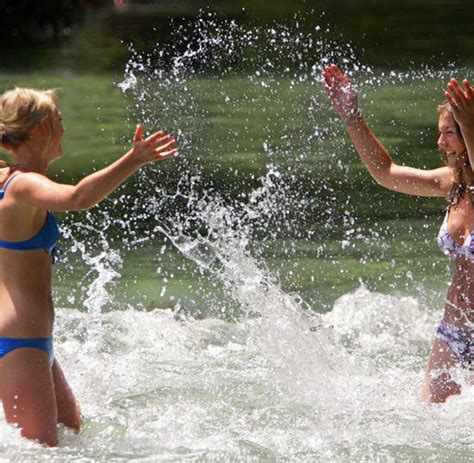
[267, 376]
[218, 229]
[165, 389]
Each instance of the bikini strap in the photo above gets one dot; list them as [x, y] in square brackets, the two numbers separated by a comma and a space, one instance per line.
[9, 180]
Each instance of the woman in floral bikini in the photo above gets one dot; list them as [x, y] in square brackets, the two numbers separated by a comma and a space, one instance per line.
[454, 344]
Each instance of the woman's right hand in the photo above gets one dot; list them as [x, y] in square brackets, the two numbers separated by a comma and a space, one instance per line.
[341, 93]
[461, 102]
[156, 147]
[39, 191]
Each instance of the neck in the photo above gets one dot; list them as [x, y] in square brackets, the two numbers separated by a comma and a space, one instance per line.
[30, 160]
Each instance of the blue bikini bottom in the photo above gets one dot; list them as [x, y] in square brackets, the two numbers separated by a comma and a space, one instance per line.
[9, 344]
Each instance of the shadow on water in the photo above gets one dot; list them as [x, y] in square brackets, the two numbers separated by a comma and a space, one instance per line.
[81, 35]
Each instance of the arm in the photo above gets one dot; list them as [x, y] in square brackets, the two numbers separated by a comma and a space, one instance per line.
[39, 191]
[373, 154]
[462, 104]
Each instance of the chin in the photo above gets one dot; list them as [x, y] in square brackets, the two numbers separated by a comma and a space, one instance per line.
[456, 162]
[55, 157]
[59, 154]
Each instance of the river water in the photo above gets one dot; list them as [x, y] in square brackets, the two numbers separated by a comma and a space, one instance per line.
[258, 297]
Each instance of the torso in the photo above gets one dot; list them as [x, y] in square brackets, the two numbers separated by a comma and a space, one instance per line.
[459, 226]
[26, 308]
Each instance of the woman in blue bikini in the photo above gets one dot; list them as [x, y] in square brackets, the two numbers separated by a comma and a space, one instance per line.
[454, 344]
[34, 392]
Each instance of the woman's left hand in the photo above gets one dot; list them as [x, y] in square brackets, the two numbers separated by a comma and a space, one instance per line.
[462, 102]
[342, 93]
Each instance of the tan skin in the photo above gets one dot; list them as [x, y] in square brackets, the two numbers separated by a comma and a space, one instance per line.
[459, 309]
[36, 397]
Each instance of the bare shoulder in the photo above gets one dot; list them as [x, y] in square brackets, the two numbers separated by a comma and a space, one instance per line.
[4, 174]
[25, 180]
[443, 177]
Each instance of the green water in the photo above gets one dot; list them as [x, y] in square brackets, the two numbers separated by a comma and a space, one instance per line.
[333, 228]
[315, 254]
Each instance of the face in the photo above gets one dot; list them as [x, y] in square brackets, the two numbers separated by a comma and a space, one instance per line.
[56, 133]
[451, 142]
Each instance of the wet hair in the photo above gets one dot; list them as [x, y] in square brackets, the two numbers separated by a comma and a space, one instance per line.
[21, 110]
[464, 176]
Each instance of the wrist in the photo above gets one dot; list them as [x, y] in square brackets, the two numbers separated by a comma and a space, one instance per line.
[132, 160]
[353, 117]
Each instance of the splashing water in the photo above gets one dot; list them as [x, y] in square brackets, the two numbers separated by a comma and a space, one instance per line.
[260, 374]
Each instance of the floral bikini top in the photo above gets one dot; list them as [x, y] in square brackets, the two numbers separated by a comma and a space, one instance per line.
[450, 247]
[447, 244]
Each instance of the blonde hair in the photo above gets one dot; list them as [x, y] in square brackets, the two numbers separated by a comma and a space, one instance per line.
[464, 177]
[21, 110]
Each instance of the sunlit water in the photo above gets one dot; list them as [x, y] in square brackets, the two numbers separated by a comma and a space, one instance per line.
[258, 374]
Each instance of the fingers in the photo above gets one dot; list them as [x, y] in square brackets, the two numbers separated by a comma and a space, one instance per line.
[166, 154]
[156, 139]
[468, 88]
[450, 100]
[335, 79]
[155, 147]
[166, 146]
[453, 96]
[458, 96]
[138, 133]
[455, 89]
[156, 136]
[163, 139]
[331, 69]
[330, 74]
[162, 145]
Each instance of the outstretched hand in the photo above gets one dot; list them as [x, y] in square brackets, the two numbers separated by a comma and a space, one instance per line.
[156, 147]
[462, 102]
[341, 93]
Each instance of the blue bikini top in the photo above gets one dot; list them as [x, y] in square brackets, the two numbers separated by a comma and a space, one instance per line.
[45, 239]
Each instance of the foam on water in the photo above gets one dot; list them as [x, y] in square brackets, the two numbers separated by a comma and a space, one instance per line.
[158, 387]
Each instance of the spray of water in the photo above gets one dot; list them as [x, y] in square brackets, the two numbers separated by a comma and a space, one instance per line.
[359, 366]
[263, 374]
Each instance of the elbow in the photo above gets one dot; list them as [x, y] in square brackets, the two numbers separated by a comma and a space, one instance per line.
[83, 204]
[383, 182]
[382, 175]
[81, 201]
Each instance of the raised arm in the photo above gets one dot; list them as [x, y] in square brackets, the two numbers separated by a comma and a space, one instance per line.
[39, 191]
[462, 103]
[373, 154]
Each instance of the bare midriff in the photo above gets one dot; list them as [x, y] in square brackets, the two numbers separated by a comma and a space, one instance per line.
[26, 307]
[459, 308]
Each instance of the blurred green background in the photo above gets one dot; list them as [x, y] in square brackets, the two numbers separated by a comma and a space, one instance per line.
[92, 36]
